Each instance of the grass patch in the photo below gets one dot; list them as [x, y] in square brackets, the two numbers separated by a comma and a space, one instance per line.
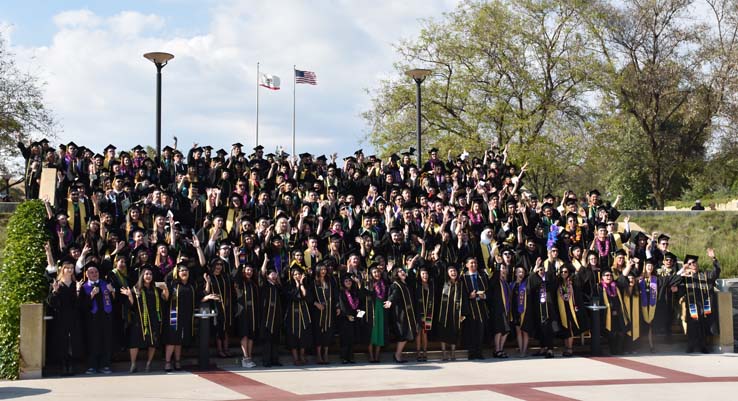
[694, 234]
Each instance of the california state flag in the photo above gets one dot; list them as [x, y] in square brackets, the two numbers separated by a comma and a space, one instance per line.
[269, 81]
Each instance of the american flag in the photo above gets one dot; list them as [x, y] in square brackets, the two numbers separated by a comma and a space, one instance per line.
[305, 77]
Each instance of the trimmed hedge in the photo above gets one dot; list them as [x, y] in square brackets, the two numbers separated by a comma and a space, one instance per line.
[21, 278]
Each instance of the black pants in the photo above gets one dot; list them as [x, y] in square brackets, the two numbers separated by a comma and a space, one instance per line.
[99, 328]
[697, 330]
[271, 348]
[473, 334]
[348, 334]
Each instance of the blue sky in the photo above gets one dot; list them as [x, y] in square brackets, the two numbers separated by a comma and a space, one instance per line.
[101, 89]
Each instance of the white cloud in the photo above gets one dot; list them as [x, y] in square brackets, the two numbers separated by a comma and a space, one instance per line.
[103, 90]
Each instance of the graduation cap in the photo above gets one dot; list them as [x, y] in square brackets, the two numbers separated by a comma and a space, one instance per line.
[167, 148]
[43, 140]
[663, 237]
[138, 148]
[394, 157]
[594, 192]
[620, 252]
[268, 155]
[305, 155]
[601, 226]
[433, 150]
[258, 148]
[61, 213]
[650, 261]
[688, 258]
[197, 149]
[124, 154]
[70, 144]
[546, 206]
[208, 148]
[669, 255]
[322, 158]
[350, 158]
[110, 147]
[98, 156]
[410, 152]
[237, 145]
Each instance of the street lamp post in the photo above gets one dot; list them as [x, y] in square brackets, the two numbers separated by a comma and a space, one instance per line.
[160, 59]
[418, 75]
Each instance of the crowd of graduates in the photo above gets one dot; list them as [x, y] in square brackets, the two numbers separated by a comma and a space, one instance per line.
[304, 253]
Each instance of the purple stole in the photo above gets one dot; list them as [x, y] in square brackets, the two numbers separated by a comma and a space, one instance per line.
[107, 302]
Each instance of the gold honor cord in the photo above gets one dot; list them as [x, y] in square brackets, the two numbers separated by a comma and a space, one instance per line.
[405, 301]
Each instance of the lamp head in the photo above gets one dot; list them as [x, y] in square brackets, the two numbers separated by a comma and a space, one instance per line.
[418, 74]
[159, 58]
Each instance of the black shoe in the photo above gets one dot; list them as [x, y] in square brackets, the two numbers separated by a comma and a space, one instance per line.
[704, 350]
[277, 363]
[345, 362]
[267, 365]
[690, 350]
[549, 354]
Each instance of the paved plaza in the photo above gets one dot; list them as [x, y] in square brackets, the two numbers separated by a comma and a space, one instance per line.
[652, 377]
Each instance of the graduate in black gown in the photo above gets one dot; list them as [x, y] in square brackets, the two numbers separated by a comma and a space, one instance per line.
[448, 320]
[179, 323]
[272, 316]
[298, 326]
[219, 282]
[247, 312]
[323, 297]
[522, 320]
[121, 277]
[349, 301]
[148, 303]
[571, 308]
[500, 299]
[401, 305]
[96, 301]
[654, 290]
[426, 306]
[542, 304]
[698, 289]
[614, 322]
[475, 310]
[65, 329]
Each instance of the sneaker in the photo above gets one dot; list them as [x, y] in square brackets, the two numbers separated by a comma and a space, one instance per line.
[90, 371]
[250, 364]
[245, 363]
[106, 370]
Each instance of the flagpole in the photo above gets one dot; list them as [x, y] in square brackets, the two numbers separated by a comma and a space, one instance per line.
[294, 84]
[257, 103]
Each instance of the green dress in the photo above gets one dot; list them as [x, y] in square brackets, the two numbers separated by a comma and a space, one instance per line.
[377, 338]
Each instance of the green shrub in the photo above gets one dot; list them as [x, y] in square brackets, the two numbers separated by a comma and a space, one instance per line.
[21, 278]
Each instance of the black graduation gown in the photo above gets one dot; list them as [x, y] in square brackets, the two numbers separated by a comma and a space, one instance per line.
[500, 301]
[520, 309]
[426, 305]
[542, 304]
[699, 295]
[65, 332]
[121, 309]
[98, 327]
[448, 320]
[179, 321]
[572, 314]
[272, 311]
[404, 325]
[297, 321]
[221, 285]
[323, 321]
[247, 309]
[146, 324]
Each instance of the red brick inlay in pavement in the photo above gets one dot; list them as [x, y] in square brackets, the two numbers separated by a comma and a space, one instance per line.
[531, 391]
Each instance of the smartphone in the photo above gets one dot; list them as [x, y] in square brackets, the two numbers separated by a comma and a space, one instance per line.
[160, 284]
[360, 314]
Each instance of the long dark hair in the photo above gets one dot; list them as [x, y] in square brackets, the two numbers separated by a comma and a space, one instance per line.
[140, 282]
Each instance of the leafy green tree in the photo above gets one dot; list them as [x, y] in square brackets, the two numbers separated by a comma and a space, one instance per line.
[672, 75]
[502, 71]
[22, 111]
